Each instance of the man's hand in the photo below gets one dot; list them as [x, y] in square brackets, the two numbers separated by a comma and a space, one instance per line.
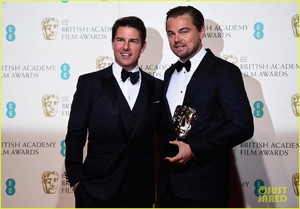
[184, 153]
[75, 186]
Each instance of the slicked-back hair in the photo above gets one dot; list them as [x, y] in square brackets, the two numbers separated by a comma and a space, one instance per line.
[198, 19]
[133, 22]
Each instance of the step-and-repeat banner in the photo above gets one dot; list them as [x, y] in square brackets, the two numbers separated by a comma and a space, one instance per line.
[47, 45]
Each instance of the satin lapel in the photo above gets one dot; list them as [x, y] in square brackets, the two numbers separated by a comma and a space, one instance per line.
[167, 79]
[198, 78]
[144, 99]
[110, 86]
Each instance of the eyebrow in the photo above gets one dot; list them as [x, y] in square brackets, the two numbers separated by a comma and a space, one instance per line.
[185, 28]
[181, 29]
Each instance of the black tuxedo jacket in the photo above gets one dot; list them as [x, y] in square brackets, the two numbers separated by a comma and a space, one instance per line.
[216, 90]
[119, 141]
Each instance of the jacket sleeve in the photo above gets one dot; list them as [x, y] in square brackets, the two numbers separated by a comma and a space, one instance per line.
[77, 131]
[229, 119]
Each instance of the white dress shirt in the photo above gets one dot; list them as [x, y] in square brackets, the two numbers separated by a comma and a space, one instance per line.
[129, 90]
[179, 81]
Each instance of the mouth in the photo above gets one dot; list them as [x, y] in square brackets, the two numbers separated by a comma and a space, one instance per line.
[125, 54]
[179, 47]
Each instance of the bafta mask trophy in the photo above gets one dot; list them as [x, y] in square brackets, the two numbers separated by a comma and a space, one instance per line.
[183, 120]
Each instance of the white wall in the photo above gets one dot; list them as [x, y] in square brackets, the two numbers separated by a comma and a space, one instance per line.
[257, 37]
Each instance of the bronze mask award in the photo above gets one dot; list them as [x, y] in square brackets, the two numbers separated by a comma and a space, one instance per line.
[183, 119]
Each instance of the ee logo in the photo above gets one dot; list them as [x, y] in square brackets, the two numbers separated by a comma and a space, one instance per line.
[258, 109]
[258, 31]
[11, 110]
[63, 148]
[10, 187]
[10, 33]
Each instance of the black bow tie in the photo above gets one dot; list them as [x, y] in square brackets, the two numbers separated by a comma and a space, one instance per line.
[134, 77]
[179, 65]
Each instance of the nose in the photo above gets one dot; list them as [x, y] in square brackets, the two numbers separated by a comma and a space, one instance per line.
[126, 45]
[176, 37]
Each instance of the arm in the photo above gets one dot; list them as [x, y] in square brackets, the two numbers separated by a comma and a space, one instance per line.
[225, 117]
[230, 120]
[77, 132]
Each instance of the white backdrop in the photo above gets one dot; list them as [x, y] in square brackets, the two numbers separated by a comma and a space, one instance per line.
[38, 72]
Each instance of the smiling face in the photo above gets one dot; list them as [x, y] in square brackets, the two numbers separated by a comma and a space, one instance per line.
[184, 38]
[127, 47]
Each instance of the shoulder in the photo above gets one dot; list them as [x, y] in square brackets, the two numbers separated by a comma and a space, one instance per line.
[155, 84]
[224, 64]
[219, 62]
[90, 75]
[151, 78]
[96, 74]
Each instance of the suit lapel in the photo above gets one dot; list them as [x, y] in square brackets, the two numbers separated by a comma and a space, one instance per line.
[139, 109]
[167, 79]
[110, 88]
[198, 78]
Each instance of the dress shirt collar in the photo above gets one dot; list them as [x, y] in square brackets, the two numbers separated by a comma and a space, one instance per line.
[196, 59]
[117, 69]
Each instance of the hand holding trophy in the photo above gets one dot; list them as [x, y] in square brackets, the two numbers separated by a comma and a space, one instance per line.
[183, 119]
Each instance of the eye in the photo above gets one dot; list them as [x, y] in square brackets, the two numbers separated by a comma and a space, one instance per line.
[184, 32]
[170, 34]
[135, 41]
[118, 39]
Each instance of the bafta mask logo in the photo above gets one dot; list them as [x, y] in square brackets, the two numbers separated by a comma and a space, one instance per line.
[50, 104]
[50, 181]
[230, 58]
[295, 25]
[103, 62]
[295, 104]
[295, 182]
[50, 28]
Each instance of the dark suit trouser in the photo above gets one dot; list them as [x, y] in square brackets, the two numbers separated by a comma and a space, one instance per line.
[122, 199]
[170, 200]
